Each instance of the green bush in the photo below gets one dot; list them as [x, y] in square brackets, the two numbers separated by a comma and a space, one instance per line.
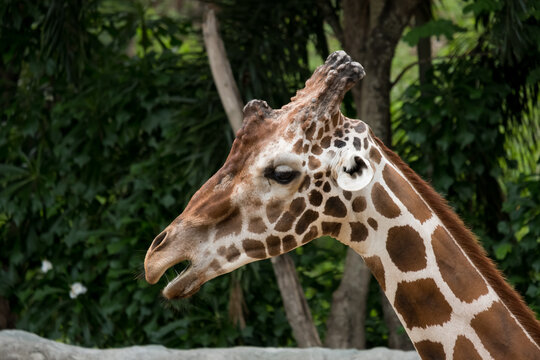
[99, 153]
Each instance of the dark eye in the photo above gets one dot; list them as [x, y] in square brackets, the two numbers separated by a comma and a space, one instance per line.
[282, 174]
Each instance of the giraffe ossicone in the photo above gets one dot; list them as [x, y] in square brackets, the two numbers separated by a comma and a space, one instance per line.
[305, 170]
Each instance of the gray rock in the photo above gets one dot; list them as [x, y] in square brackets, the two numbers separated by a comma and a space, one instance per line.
[21, 345]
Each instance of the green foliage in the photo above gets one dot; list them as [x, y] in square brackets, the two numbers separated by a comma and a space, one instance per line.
[267, 45]
[456, 130]
[94, 164]
[109, 122]
[439, 27]
[517, 252]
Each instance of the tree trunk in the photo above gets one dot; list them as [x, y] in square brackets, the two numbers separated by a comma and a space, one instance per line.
[345, 324]
[221, 71]
[7, 318]
[294, 300]
[370, 33]
[423, 15]
[397, 338]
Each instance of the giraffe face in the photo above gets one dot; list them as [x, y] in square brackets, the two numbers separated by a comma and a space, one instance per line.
[280, 188]
[288, 179]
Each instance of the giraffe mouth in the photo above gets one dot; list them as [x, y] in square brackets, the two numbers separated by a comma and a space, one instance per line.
[184, 284]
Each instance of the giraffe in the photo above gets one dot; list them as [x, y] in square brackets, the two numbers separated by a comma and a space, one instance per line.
[306, 170]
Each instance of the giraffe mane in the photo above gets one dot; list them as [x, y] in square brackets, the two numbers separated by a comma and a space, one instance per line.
[469, 243]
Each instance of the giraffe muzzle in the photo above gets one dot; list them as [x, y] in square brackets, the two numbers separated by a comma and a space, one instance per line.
[176, 244]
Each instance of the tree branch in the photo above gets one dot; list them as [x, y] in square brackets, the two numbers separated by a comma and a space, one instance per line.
[221, 70]
[331, 17]
[294, 300]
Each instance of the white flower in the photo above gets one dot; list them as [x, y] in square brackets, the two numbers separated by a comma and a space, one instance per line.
[76, 290]
[46, 266]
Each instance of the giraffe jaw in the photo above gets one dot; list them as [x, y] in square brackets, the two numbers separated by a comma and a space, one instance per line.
[183, 285]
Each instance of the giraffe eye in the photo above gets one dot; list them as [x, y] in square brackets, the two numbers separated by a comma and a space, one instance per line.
[282, 174]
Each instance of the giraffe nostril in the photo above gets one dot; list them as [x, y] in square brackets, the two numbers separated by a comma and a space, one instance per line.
[158, 240]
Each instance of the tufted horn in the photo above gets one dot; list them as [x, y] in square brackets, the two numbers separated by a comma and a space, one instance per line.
[327, 86]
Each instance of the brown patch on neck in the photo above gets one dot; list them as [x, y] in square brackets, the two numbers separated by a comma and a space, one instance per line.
[421, 303]
[462, 278]
[405, 193]
[468, 242]
[359, 232]
[406, 248]
[502, 336]
[375, 265]
[383, 202]
[430, 350]
[464, 350]
[331, 228]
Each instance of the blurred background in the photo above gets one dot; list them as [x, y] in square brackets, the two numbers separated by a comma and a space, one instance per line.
[110, 121]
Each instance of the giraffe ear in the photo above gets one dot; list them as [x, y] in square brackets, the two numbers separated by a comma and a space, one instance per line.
[354, 173]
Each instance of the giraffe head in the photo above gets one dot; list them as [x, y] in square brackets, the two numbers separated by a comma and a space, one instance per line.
[293, 174]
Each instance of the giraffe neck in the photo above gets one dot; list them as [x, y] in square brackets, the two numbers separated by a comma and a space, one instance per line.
[448, 295]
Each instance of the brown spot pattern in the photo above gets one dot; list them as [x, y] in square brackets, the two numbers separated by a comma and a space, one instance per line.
[231, 225]
[357, 143]
[289, 243]
[375, 265]
[430, 350]
[215, 265]
[331, 228]
[421, 303]
[405, 193]
[383, 202]
[297, 147]
[311, 130]
[310, 235]
[359, 204]
[339, 143]
[360, 128]
[316, 149]
[254, 249]
[297, 206]
[257, 226]
[501, 335]
[359, 232]
[232, 253]
[373, 223]
[327, 187]
[274, 245]
[305, 220]
[222, 251]
[273, 210]
[315, 198]
[347, 195]
[365, 143]
[305, 184]
[285, 222]
[406, 248]
[375, 155]
[335, 207]
[462, 278]
[218, 207]
[464, 350]
[313, 163]
[325, 142]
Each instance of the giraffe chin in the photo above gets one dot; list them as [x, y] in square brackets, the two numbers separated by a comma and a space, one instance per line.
[183, 286]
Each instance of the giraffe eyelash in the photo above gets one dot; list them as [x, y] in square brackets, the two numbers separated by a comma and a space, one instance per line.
[281, 177]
